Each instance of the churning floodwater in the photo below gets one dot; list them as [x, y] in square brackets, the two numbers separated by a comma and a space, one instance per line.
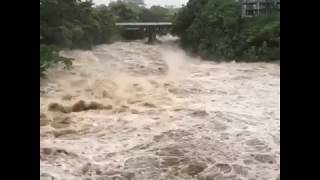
[132, 111]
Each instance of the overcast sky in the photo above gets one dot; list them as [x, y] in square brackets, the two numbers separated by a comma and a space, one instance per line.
[150, 2]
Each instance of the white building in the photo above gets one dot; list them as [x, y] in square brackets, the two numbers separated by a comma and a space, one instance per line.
[252, 8]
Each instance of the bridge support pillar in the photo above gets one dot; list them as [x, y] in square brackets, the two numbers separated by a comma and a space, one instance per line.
[151, 35]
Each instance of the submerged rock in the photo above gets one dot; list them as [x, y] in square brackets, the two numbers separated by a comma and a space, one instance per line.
[44, 120]
[56, 107]
[78, 106]
[265, 158]
[64, 132]
[61, 122]
[149, 105]
[194, 168]
[200, 113]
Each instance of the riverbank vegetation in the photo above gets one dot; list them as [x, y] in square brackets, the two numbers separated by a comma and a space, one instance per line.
[214, 29]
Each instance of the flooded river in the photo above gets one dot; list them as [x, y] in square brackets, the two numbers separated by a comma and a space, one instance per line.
[131, 111]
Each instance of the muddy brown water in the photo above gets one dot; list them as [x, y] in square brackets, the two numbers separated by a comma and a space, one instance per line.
[131, 111]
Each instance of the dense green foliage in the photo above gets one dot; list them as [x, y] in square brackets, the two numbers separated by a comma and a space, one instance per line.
[74, 23]
[214, 29]
[262, 37]
[71, 24]
[49, 56]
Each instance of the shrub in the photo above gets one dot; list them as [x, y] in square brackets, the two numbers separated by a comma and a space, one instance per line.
[214, 29]
[49, 56]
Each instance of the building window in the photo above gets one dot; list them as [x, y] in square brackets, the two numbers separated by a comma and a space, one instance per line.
[249, 12]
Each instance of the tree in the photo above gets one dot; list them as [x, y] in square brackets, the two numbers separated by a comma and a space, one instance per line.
[122, 12]
[71, 24]
[187, 14]
[214, 29]
[146, 15]
[160, 13]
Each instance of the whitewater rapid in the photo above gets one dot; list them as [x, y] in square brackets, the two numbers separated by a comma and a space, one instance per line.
[132, 111]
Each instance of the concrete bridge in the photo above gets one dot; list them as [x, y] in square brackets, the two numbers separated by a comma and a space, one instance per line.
[152, 28]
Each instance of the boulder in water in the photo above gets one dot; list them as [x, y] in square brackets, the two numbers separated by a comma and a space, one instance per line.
[56, 107]
[79, 106]
[95, 105]
[84, 106]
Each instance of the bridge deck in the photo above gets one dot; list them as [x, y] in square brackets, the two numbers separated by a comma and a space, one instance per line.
[150, 27]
